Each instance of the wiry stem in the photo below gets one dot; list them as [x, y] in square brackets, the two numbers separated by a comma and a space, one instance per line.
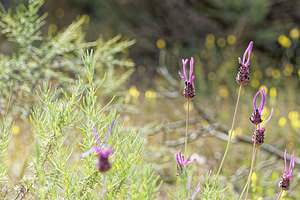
[246, 188]
[230, 135]
[186, 129]
[279, 195]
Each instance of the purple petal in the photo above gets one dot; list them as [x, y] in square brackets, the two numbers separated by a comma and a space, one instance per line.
[247, 52]
[85, 154]
[189, 184]
[196, 191]
[292, 164]
[178, 161]
[191, 161]
[96, 135]
[185, 162]
[263, 100]
[184, 62]
[109, 131]
[191, 68]
[285, 171]
[182, 76]
[105, 152]
[96, 149]
[268, 118]
[192, 80]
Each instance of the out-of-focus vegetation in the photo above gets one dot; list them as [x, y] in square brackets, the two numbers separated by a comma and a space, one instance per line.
[39, 48]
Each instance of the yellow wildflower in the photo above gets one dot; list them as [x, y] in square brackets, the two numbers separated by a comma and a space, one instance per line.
[161, 43]
[16, 130]
[294, 33]
[231, 39]
[134, 92]
[221, 42]
[284, 41]
[282, 121]
[288, 69]
[273, 92]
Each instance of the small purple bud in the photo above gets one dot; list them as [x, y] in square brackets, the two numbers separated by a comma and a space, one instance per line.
[258, 136]
[189, 89]
[242, 76]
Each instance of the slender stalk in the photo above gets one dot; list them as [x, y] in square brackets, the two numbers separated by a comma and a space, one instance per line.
[230, 135]
[246, 188]
[279, 195]
[187, 125]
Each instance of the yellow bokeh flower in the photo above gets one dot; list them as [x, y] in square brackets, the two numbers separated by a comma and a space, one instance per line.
[276, 73]
[259, 198]
[191, 106]
[288, 69]
[294, 33]
[149, 94]
[210, 41]
[52, 28]
[221, 42]
[257, 74]
[299, 73]
[161, 43]
[254, 178]
[284, 41]
[254, 83]
[273, 92]
[16, 130]
[86, 18]
[283, 194]
[231, 39]
[134, 92]
[293, 115]
[266, 89]
[282, 121]
[59, 13]
[223, 92]
[295, 123]
[166, 158]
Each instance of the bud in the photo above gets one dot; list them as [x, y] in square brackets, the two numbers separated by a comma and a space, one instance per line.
[258, 136]
[242, 76]
[256, 117]
[189, 90]
[284, 183]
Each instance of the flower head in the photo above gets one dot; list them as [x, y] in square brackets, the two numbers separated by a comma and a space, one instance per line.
[284, 183]
[103, 150]
[189, 89]
[181, 161]
[256, 116]
[242, 77]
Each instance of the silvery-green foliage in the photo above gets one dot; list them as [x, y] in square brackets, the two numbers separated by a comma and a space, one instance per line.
[62, 129]
[38, 56]
[5, 137]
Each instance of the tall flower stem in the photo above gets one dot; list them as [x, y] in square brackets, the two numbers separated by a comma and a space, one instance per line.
[246, 188]
[279, 195]
[186, 128]
[230, 135]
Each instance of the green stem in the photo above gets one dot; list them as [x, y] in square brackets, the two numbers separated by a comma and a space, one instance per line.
[230, 134]
[186, 129]
[246, 188]
[279, 195]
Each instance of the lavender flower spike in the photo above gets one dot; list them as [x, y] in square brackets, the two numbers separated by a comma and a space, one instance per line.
[189, 90]
[284, 183]
[256, 116]
[258, 135]
[103, 150]
[242, 77]
[180, 159]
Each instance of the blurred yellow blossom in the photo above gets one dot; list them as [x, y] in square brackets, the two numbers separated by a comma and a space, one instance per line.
[186, 106]
[254, 178]
[293, 115]
[210, 41]
[59, 13]
[257, 74]
[283, 194]
[282, 121]
[223, 92]
[149, 94]
[134, 92]
[276, 73]
[231, 39]
[284, 41]
[16, 130]
[295, 123]
[294, 33]
[238, 131]
[166, 158]
[266, 89]
[52, 28]
[288, 69]
[160, 43]
[232, 132]
[299, 73]
[259, 198]
[254, 83]
[221, 42]
[273, 92]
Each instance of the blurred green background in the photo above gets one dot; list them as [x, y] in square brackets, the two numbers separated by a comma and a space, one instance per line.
[215, 33]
